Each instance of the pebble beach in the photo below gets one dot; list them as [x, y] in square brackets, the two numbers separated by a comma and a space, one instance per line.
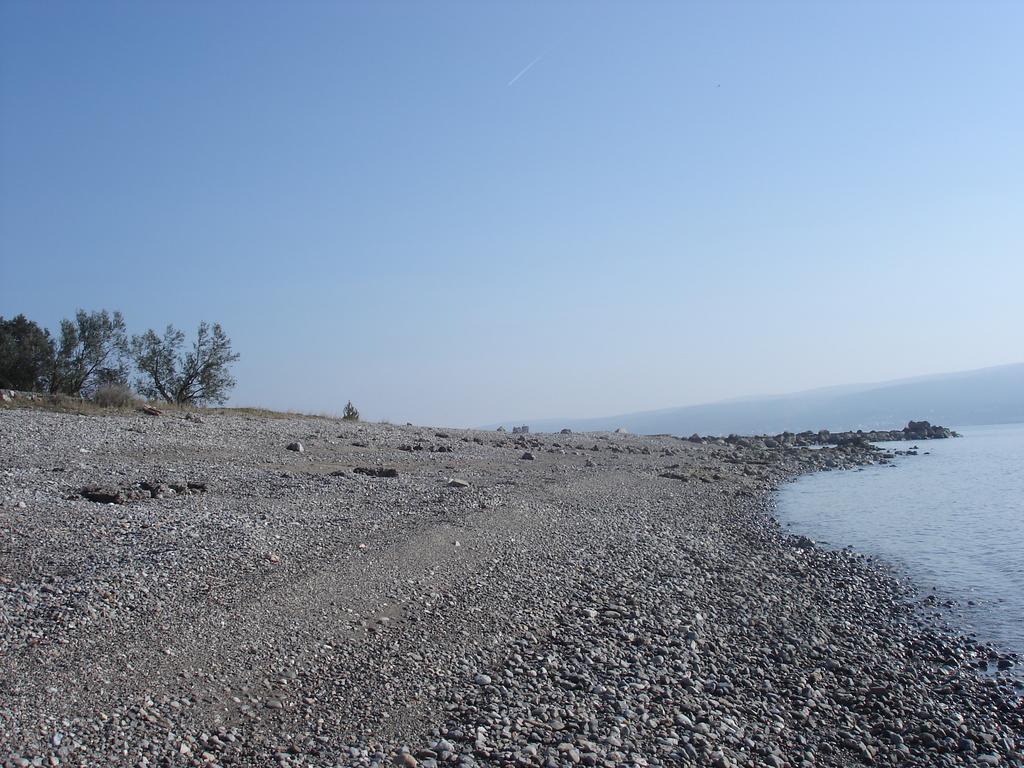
[242, 588]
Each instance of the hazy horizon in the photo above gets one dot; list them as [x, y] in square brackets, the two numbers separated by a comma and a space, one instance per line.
[990, 395]
[456, 214]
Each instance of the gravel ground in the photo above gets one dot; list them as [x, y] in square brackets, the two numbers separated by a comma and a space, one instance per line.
[589, 599]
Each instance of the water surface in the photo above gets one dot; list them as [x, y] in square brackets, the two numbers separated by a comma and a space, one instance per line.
[953, 520]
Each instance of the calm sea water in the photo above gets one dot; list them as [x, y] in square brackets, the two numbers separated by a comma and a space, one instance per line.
[952, 520]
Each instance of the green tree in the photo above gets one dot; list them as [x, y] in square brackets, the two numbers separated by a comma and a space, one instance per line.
[26, 355]
[350, 413]
[198, 377]
[93, 350]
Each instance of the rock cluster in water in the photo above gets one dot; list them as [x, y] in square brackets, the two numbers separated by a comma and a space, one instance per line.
[915, 430]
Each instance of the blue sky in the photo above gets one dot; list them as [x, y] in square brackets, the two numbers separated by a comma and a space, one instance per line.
[677, 202]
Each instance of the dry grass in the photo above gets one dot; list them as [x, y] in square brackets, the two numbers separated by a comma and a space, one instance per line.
[67, 404]
[85, 407]
[61, 404]
[253, 413]
[266, 413]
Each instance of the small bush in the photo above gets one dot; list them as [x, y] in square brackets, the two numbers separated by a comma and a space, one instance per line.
[350, 413]
[114, 396]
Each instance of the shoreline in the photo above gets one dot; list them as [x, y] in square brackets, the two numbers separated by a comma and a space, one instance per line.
[935, 611]
[614, 600]
[938, 604]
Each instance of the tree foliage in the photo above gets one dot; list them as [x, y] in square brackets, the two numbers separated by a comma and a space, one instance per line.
[197, 377]
[26, 355]
[92, 351]
[350, 413]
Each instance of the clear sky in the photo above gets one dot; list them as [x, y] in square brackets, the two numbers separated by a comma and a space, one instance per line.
[459, 213]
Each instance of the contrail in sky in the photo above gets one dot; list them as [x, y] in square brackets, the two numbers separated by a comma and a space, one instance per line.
[526, 69]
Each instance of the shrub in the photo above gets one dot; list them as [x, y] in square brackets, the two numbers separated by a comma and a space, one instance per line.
[350, 413]
[114, 396]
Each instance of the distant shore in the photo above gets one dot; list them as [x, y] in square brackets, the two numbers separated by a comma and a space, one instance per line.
[304, 591]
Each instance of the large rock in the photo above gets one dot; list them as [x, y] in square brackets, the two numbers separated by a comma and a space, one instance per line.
[104, 495]
[376, 471]
[923, 430]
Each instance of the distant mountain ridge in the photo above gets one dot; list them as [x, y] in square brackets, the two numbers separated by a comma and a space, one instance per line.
[983, 396]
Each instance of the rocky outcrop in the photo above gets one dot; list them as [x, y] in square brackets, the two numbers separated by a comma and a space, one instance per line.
[922, 430]
[915, 430]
